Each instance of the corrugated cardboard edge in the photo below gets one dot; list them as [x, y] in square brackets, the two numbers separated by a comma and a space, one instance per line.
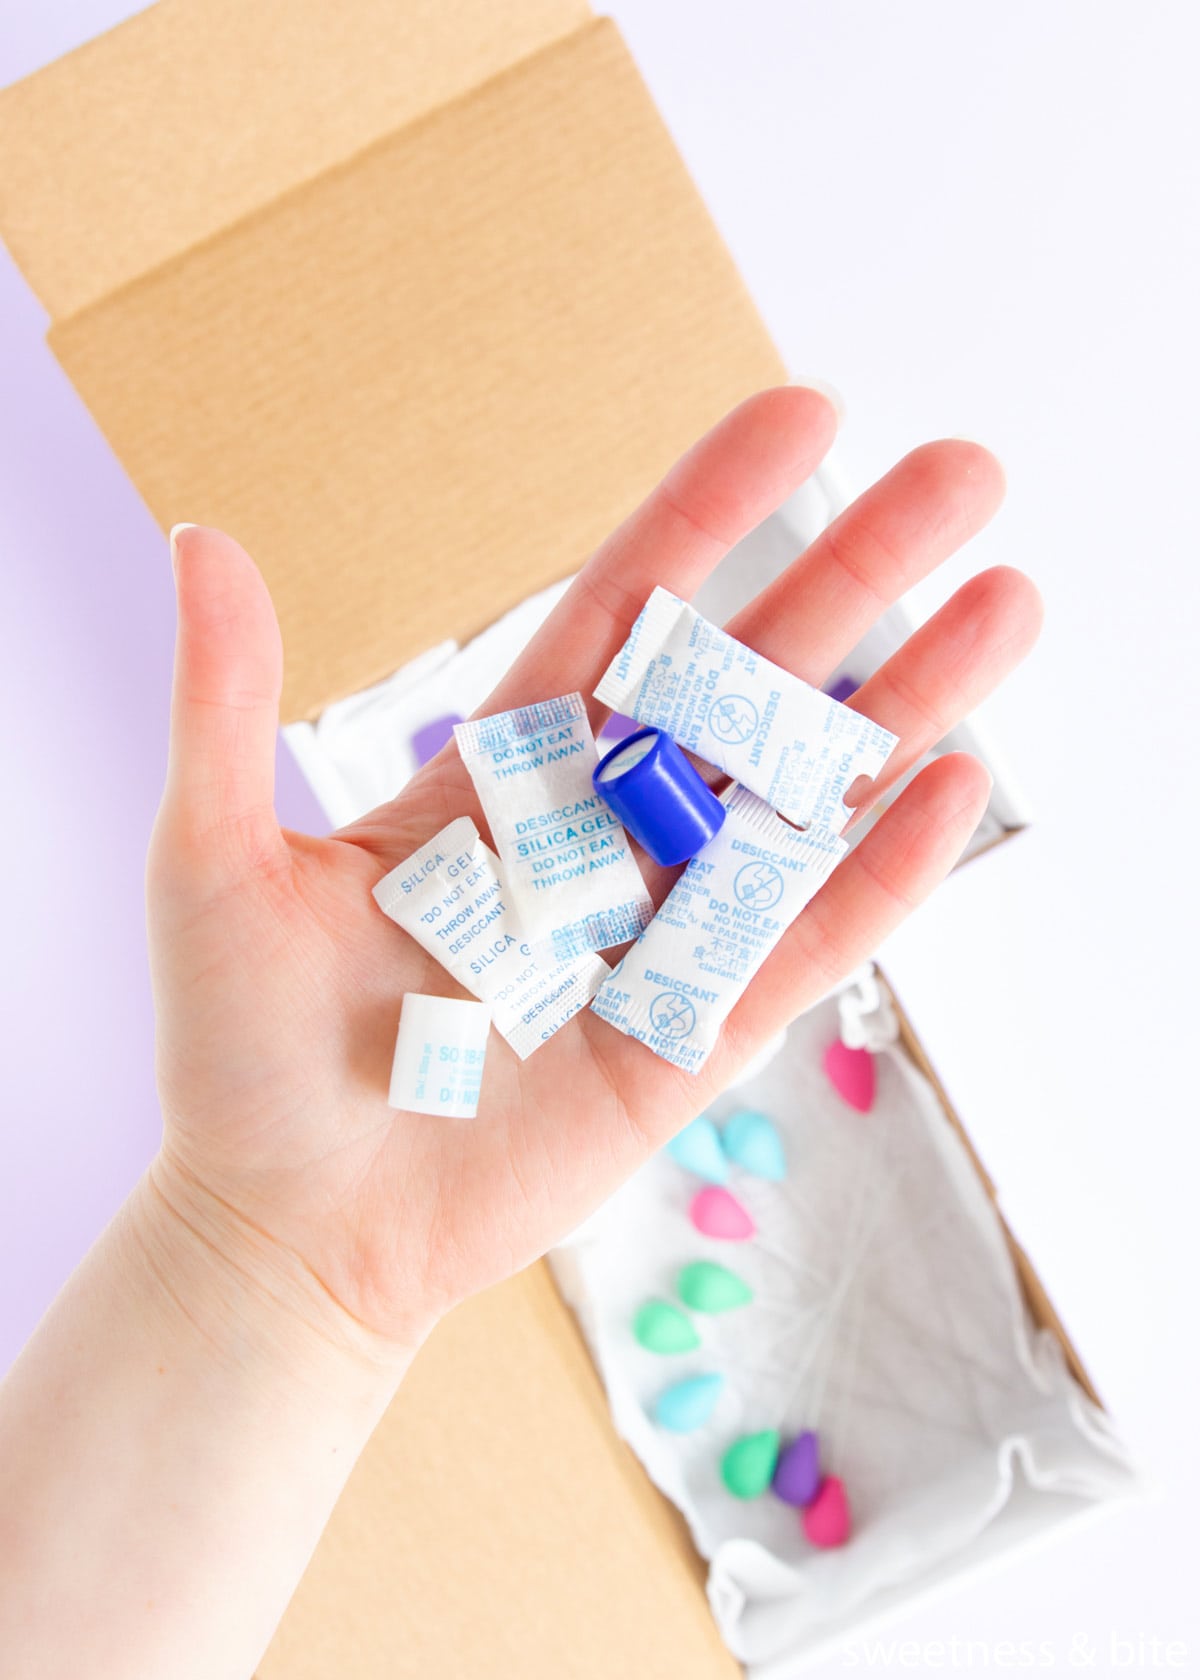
[1036, 1298]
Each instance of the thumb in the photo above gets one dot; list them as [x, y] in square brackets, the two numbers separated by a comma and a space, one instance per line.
[218, 806]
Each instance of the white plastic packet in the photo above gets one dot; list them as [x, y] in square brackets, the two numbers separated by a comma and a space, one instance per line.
[721, 919]
[450, 897]
[567, 863]
[789, 743]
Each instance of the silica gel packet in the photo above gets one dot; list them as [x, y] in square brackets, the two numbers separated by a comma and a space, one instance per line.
[450, 897]
[567, 865]
[721, 920]
[789, 743]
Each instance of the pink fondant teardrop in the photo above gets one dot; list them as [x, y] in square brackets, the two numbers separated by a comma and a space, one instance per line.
[852, 1075]
[826, 1521]
[716, 1213]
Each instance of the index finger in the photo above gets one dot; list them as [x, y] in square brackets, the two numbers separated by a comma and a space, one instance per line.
[727, 483]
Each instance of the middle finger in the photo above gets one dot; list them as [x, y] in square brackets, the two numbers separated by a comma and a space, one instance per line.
[895, 533]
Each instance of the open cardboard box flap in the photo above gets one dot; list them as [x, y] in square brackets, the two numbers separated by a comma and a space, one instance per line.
[188, 116]
[420, 382]
[417, 299]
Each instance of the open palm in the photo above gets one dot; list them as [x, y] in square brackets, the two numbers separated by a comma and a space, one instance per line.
[278, 982]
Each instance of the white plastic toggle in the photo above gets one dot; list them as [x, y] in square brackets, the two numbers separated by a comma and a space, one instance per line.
[868, 1021]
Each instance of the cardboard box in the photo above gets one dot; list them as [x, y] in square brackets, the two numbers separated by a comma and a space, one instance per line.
[428, 357]
[417, 298]
[496, 1525]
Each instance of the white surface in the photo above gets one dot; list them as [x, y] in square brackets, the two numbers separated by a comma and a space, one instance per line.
[981, 219]
[886, 1317]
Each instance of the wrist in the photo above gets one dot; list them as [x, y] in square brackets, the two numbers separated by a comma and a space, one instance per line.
[172, 1442]
[254, 1303]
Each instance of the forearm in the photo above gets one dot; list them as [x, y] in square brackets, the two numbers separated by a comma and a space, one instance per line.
[172, 1441]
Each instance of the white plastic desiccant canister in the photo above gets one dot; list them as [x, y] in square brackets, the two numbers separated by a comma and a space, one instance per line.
[440, 1049]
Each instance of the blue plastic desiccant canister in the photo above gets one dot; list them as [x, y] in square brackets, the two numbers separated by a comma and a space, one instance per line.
[660, 797]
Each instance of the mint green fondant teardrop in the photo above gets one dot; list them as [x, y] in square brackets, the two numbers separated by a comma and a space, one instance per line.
[662, 1328]
[749, 1464]
[708, 1288]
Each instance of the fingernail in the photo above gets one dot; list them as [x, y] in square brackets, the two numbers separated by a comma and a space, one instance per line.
[186, 525]
[857, 792]
[964, 437]
[828, 391]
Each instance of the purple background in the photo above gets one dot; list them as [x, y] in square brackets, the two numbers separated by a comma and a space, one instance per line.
[88, 627]
[84, 687]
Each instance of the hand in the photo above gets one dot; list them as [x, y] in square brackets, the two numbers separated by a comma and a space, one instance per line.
[278, 982]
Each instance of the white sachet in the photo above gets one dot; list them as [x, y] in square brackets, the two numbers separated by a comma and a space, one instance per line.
[722, 918]
[567, 863]
[450, 897]
[789, 743]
